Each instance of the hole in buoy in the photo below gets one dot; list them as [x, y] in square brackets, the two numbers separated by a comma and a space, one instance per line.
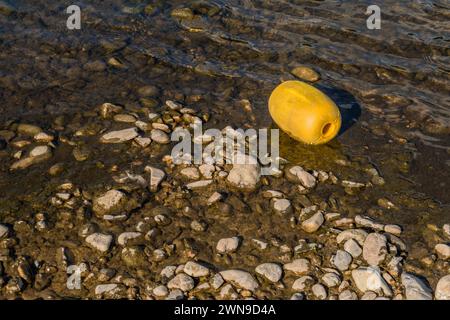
[326, 129]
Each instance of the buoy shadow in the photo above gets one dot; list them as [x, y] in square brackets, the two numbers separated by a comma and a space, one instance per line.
[347, 104]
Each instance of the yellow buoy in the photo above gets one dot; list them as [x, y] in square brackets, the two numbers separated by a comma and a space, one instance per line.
[304, 112]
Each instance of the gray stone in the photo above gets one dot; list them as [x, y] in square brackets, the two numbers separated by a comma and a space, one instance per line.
[298, 266]
[348, 295]
[370, 279]
[331, 279]
[352, 247]
[281, 206]
[160, 291]
[271, 271]
[99, 241]
[358, 235]
[190, 173]
[415, 288]
[297, 174]
[227, 244]
[156, 176]
[181, 281]
[241, 279]
[119, 136]
[195, 269]
[124, 237]
[342, 260]
[245, 175]
[302, 283]
[319, 291]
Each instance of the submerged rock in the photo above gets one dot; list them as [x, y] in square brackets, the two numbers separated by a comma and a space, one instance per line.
[119, 136]
[271, 271]
[313, 224]
[305, 73]
[37, 155]
[99, 241]
[245, 175]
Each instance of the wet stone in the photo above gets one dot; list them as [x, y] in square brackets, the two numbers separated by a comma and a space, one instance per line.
[195, 269]
[245, 176]
[305, 73]
[240, 278]
[119, 136]
[100, 241]
[227, 245]
[331, 279]
[160, 291]
[190, 173]
[358, 235]
[270, 271]
[159, 136]
[4, 230]
[181, 281]
[156, 176]
[298, 266]
[297, 174]
[302, 283]
[281, 206]
[112, 202]
[313, 224]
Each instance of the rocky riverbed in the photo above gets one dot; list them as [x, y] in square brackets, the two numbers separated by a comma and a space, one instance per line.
[138, 226]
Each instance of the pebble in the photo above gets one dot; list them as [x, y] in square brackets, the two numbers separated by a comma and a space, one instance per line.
[298, 266]
[260, 244]
[359, 235]
[348, 295]
[43, 137]
[160, 291]
[124, 237]
[226, 245]
[443, 288]
[368, 223]
[369, 295]
[342, 260]
[195, 269]
[305, 73]
[319, 291]
[119, 136]
[370, 279]
[168, 271]
[110, 289]
[281, 206]
[393, 229]
[217, 281]
[313, 224]
[4, 230]
[241, 279]
[99, 241]
[159, 136]
[331, 279]
[111, 202]
[37, 155]
[271, 271]
[443, 251]
[127, 118]
[28, 129]
[148, 91]
[143, 141]
[297, 174]
[215, 197]
[181, 281]
[302, 283]
[156, 176]
[297, 296]
[175, 294]
[207, 170]
[199, 184]
[415, 288]
[446, 229]
[352, 247]
[245, 176]
[375, 249]
[191, 173]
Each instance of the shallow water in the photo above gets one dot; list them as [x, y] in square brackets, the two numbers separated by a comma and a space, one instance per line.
[392, 85]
